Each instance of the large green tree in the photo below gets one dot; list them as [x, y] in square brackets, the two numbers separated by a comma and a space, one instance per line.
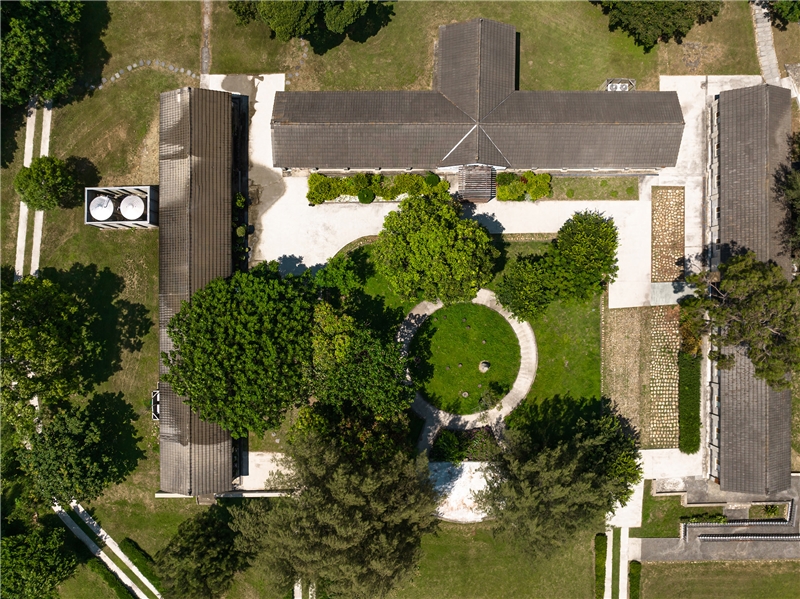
[785, 11]
[40, 49]
[47, 341]
[553, 478]
[298, 18]
[352, 529]
[80, 452]
[34, 563]
[48, 183]
[427, 250]
[242, 348]
[790, 189]
[753, 305]
[650, 21]
[200, 561]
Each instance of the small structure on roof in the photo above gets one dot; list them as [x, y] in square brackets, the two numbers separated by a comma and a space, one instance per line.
[133, 207]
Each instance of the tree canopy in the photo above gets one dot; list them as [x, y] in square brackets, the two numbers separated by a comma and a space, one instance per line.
[34, 563]
[427, 250]
[650, 21]
[752, 305]
[565, 465]
[785, 11]
[354, 530]
[48, 183]
[80, 452]
[243, 348]
[40, 48]
[200, 561]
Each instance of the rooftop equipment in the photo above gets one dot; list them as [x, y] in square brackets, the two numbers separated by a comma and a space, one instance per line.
[101, 208]
[122, 207]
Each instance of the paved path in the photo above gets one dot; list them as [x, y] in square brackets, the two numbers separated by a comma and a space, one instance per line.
[112, 545]
[38, 220]
[97, 552]
[436, 418]
[765, 44]
[27, 157]
[205, 50]
[609, 563]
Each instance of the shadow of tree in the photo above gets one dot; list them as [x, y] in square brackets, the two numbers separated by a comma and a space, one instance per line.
[13, 119]
[375, 314]
[86, 174]
[6, 275]
[120, 453]
[120, 324]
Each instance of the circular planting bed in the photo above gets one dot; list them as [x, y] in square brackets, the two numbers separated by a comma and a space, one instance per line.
[465, 358]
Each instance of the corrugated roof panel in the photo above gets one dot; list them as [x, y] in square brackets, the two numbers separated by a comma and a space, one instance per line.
[458, 64]
[488, 153]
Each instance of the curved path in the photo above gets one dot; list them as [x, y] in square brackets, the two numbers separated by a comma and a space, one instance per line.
[436, 418]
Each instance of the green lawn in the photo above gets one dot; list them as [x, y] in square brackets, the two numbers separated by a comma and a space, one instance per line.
[465, 561]
[451, 344]
[787, 45]
[732, 580]
[615, 564]
[595, 188]
[661, 516]
[85, 584]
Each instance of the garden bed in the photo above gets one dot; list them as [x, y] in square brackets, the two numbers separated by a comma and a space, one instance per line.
[774, 511]
[475, 445]
[662, 516]
[367, 188]
[594, 188]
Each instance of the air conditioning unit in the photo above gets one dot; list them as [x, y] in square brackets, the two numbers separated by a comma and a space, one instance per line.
[121, 207]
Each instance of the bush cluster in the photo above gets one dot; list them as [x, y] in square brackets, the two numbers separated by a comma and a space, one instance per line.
[600, 550]
[457, 446]
[527, 186]
[241, 250]
[367, 187]
[579, 264]
[689, 402]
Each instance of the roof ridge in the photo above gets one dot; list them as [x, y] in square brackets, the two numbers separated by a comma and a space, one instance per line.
[499, 151]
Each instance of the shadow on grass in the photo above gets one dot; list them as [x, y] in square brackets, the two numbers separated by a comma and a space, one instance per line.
[120, 324]
[13, 119]
[119, 454]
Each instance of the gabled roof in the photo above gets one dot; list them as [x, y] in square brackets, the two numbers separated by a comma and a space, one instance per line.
[475, 116]
[195, 205]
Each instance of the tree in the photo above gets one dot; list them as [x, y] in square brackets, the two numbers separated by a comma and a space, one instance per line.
[785, 11]
[353, 530]
[548, 483]
[80, 452]
[243, 348]
[529, 285]
[427, 250]
[301, 17]
[587, 243]
[649, 22]
[35, 563]
[753, 306]
[200, 561]
[40, 49]
[46, 184]
[791, 196]
[47, 342]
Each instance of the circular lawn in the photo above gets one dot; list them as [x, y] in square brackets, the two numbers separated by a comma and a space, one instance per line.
[446, 355]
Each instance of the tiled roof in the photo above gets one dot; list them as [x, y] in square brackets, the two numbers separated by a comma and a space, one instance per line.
[195, 196]
[476, 117]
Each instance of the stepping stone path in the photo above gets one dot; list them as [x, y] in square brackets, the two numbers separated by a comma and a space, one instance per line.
[142, 63]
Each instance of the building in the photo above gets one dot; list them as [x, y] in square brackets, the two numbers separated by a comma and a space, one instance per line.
[476, 115]
[750, 436]
[202, 165]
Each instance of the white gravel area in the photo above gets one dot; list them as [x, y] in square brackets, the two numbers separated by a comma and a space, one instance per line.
[457, 485]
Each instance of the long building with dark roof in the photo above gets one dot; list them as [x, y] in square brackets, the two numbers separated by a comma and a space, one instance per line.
[476, 116]
[202, 164]
[750, 421]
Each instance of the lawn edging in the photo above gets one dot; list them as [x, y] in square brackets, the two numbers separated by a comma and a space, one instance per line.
[689, 402]
[600, 550]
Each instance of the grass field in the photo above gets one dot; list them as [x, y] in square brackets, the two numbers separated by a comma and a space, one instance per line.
[451, 344]
[85, 584]
[465, 561]
[661, 516]
[732, 580]
[595, 188]
[787, 45]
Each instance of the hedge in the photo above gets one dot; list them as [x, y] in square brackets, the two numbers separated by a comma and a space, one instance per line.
[142, 560]
[634, 580]
[514, 188]
[99, 568]
[600, 549]
[322, 188]
[689, 402]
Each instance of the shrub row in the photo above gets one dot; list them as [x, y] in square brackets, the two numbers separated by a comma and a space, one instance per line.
[689, 402]
[142, 560]
[634, 580]
[367, 187]
[99, 568]
[457, 446]
[600, 549]
[527, 186]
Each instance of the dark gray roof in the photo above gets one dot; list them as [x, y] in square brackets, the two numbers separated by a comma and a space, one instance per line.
[755, 124]
[195, 185]
[476, 117]
[755, 431]
[755, 420]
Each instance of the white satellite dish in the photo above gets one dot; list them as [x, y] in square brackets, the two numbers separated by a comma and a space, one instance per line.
[101, 208]
[132, 207]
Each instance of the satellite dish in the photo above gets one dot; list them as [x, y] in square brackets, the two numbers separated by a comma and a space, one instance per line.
[101, 208]
[132, 207]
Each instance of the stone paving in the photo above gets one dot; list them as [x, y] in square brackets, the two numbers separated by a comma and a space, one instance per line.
[668, 234]
[765, 43]
[664, 345]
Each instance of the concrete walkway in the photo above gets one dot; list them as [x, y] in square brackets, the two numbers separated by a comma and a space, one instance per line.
[435, 418]
[765, 44]
[27, 157]
[97, 552]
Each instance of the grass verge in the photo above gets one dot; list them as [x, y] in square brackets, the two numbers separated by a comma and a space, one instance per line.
[615, 564]
[142, 560]
[732, 580]
[114, 583]
[689, 402]
[634, 580]
[600, 552]
[594, 188]
[661, 516]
